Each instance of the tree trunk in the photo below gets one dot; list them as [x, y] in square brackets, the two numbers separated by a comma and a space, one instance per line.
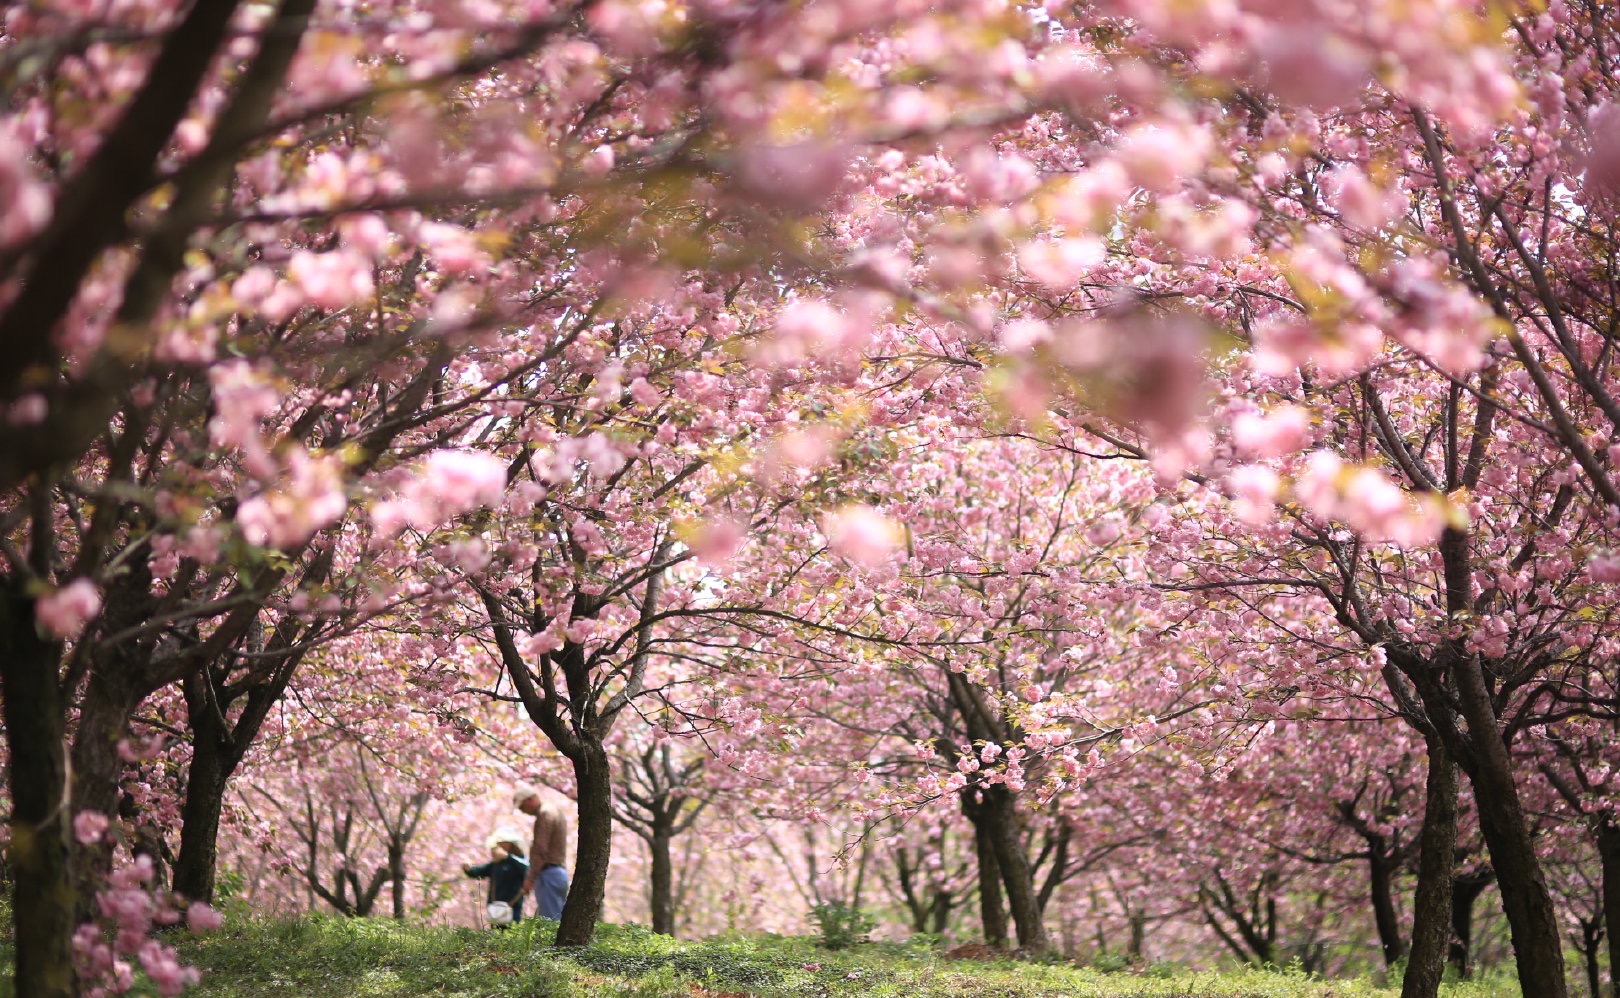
[1016, 876]
[1608, 843]
[396, 873]
[1380, 874]
[593, 849]
[661, 886]
[1254, 920]
[992, 911]
[909, 891]
[1532, 920]
[206, 775]
[941, 910]
[1590, 941]
[42, 891]
[110, 699]
[1464, 892]
[1437, 857]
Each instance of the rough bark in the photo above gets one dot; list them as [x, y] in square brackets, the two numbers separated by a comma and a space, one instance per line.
[992, 909]
[1608, 843]
[593, 849]
[148, 839]
[1432, 900]
[206, 777]
[661, 884]
[110, 699]
[396, 876]
[1532, 919]
[42, 892]
[1001, 827]
[996, 818]
[655, 801]
[904, 873]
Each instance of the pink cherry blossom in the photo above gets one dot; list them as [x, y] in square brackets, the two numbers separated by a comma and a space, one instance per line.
[1255, 489]
[808, 329]
[862, 534]
[1603, 150]
[1604, 568]
[309, 498]
[798, 176]
[1059, 264]
[89, 826]
[25, 203]
[1360, 201]
[200, 918]
[331, 280]
[1280, 431]
[463, 480]
[1304, 63]
[64, 612]
[717, 540]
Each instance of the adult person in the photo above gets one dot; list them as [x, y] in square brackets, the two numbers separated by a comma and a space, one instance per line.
[547, 876]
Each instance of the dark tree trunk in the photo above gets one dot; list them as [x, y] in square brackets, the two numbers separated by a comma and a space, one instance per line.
[42, 891]
[1002, 827]
[1254, 918]
[929, 907]
[110, 698]
[206, 777]
[593, 849]
[905, 874]
[1437, 857]
[1608, 843]
[219, 745]
[396, 874]
[992, 910]
[1483, 753]
[661, 887]
[941, 911]
[1136, 948]
[1380, 874]
[1590, 942]
[1465, 891]
[1532, 920]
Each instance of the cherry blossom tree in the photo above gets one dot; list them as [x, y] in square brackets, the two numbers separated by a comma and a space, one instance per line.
[688, 295]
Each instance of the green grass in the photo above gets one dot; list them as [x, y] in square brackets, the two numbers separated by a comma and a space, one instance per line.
[362, 958]
[329, 957]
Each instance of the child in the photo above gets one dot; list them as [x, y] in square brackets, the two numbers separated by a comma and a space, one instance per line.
[506, 871]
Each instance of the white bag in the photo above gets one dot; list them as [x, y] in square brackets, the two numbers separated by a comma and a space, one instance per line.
[499, 912]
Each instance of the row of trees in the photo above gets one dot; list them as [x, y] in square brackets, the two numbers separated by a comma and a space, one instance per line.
[1036, 404]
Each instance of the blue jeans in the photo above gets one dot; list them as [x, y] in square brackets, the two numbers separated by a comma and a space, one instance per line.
[550, 891]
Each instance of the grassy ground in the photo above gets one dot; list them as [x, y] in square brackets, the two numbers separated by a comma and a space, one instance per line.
[327, 957]
[336, 958]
